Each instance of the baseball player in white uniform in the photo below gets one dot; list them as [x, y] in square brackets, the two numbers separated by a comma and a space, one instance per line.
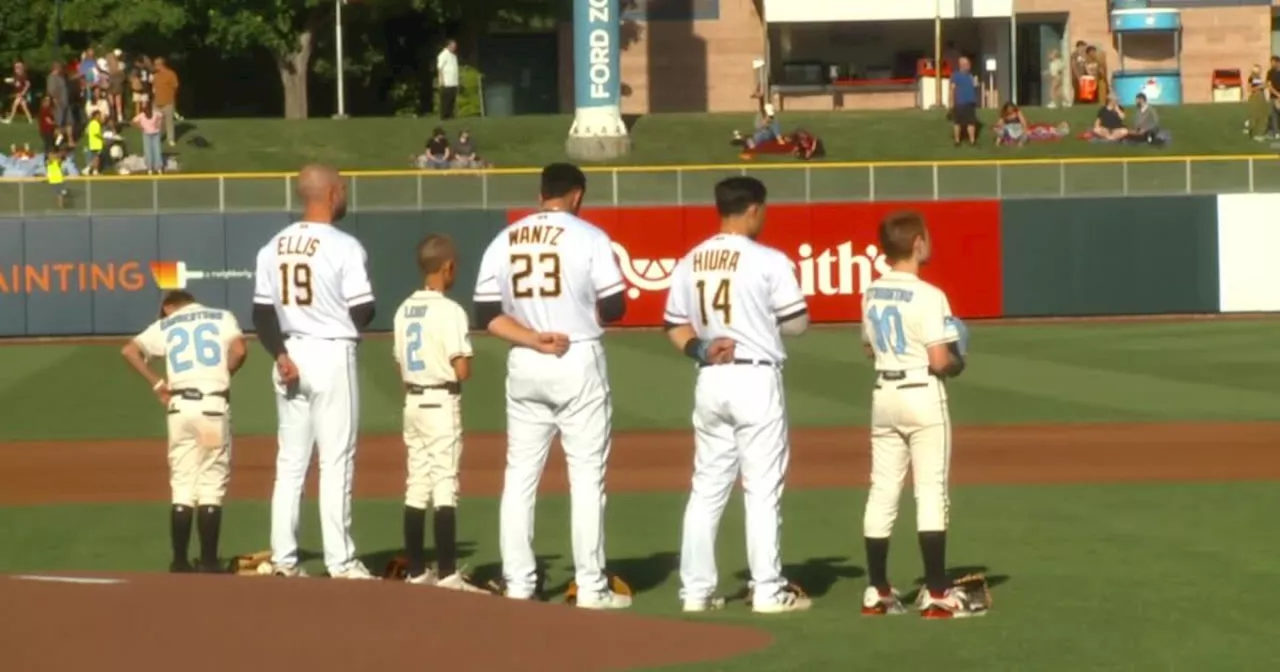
[202, 348]
[311, 298]
[546, 284]
[731, 301]
[433, 353]
[909, 332]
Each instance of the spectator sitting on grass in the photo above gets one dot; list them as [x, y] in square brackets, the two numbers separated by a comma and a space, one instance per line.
[464, 153]
[1011, 128]
[767, 129]
[437, 155]
[1109, 124]
[1147, 129]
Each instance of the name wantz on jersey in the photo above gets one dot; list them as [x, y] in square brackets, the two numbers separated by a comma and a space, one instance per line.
[535, 234]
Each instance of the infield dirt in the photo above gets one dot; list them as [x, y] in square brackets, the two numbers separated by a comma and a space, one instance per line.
[269, 623]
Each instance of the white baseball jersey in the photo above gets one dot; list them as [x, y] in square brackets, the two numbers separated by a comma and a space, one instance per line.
[731, 286]
[902, 316]
[430, 332]
[549, 269]
[193, 341]
[313, 274]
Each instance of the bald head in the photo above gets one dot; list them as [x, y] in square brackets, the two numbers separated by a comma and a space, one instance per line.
[322, 192]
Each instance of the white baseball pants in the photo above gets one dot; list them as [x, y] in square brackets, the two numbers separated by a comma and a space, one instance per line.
[199, 450]
[433, 442]
[321, 412]
[546, 394]
[910, 427]
[740, 429]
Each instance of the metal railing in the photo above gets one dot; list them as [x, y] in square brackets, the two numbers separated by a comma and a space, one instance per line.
[662, 185]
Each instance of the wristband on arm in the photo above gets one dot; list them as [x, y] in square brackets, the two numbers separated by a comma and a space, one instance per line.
[696, 349]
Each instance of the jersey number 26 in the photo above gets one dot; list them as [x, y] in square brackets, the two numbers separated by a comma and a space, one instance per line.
[886, 323]
[205, 339]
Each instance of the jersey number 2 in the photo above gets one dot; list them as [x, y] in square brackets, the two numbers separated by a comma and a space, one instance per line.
[524, 265]
[719, 301]
[295, 284]
[887, 325]
[412, 344]
[205, 339]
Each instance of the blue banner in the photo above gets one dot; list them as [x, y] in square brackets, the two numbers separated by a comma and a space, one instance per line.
[595, 53]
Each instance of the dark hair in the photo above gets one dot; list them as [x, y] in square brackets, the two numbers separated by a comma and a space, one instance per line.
[437, 131]
[175, 299]
[898, 234]
[1090, 48]
[434, 251]
[1141, 96]
[1080, 43]
[558, 179]
[734, 195]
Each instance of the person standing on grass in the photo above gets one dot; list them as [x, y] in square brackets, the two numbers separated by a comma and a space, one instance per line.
[447, 74]
[21, 83]
[165, 89]
[94, 143]
[149, 122]
[964, 104]
[57, 88]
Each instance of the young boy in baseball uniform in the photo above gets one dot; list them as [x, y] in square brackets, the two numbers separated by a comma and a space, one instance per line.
[916, 344]
[433, 351]
[731, 301]
[202, 348]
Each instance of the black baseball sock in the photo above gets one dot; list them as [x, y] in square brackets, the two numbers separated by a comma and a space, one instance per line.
[445, 529]
[209, 523]
[180, 517]
[877, 562]
[415, 523]
[933, 548]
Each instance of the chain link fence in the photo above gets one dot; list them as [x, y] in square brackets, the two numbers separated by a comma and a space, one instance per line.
[502, 189]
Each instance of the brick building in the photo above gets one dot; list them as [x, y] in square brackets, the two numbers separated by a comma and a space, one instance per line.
[696, 55]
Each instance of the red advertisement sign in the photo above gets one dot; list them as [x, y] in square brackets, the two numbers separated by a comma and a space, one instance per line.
[834, 248]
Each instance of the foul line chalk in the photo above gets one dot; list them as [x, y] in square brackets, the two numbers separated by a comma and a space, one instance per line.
[67, 579]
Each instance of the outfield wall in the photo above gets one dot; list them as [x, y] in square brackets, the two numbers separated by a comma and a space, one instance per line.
[1025, 258]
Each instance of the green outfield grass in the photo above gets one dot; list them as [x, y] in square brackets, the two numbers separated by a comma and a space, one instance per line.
[1090, 577]
[1018, 374]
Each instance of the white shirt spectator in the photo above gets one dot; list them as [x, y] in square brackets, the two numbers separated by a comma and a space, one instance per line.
[447, 66]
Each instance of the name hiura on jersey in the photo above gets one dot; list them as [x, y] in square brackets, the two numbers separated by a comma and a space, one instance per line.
[549, 270]
[902, 316]
[193, 342]
[731, 286]
[313, 274]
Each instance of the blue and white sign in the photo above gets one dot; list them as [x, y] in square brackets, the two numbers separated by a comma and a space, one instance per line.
[1145, 20]
[596, 53]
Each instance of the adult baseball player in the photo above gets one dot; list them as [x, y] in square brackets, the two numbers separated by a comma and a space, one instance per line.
[433, 351]
[311, 299]
[731, 301]
[202, 348]
[908, 330]
[546, 284]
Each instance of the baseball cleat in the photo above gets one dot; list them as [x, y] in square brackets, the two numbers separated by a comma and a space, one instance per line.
[214, 567]
[354, 571]
[606, 599]
[181, 567]
[458, 581]
[954, 603]
[877, 603]
[289, 571]
[789, 599]
[706, 604]
[427, 578]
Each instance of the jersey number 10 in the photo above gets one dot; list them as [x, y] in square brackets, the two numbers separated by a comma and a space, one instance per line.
[887, 325]
[295, 284]
[719, 301]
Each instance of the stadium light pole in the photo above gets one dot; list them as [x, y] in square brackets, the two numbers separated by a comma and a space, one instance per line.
[937, 53]
[337, 39]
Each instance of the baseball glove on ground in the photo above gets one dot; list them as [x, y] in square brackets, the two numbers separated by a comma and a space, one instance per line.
[397, 568]
[976, 588]
[251, 564]
[616, 584]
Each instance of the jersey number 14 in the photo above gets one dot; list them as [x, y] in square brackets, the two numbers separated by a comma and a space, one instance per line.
[719, 301]
[886, 324]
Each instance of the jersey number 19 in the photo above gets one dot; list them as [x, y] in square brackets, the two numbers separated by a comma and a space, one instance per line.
[295, 284]
[886, 323]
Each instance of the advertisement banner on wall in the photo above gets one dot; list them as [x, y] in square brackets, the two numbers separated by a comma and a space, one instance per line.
[834, 248]
[1247, 233]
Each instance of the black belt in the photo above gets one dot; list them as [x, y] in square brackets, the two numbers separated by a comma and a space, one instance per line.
[742, 362]
[192, 394]
[452, 388]
[897, 376]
